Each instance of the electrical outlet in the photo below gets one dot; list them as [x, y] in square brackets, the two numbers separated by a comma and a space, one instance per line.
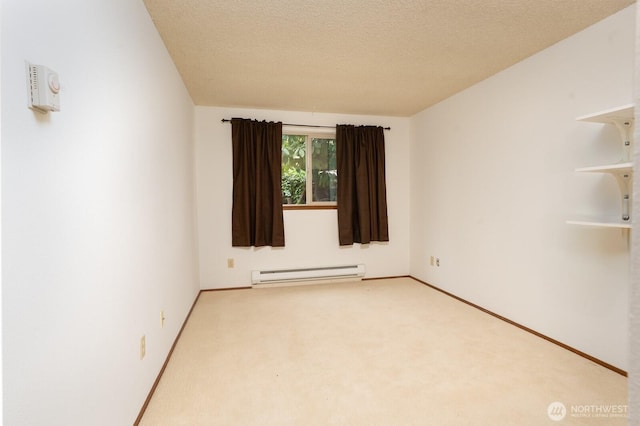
[143, 347]
[230, 262]
[437, 261]
[162, 318]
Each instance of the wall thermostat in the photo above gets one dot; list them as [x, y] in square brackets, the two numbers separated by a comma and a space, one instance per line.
[44, 88]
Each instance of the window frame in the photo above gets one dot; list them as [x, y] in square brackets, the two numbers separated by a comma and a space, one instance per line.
[309, 136]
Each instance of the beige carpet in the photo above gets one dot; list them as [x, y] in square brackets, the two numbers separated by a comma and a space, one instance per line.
[383, 352]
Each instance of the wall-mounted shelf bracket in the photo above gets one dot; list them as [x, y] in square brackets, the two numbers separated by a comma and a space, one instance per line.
[623, 173]
[625, 128]
[622, 118]
[624, 182]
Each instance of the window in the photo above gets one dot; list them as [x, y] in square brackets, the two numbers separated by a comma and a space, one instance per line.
[309, 179]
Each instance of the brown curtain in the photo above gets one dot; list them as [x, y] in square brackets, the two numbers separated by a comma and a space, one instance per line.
[362, 193]
[257, 172]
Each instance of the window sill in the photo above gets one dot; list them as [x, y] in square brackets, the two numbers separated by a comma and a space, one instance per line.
[309, 207]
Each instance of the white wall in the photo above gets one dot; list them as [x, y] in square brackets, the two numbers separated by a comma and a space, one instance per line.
[311, 236]
[492, 184]
[98, 213]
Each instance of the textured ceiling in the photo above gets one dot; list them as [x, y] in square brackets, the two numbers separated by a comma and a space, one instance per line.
[379, 57]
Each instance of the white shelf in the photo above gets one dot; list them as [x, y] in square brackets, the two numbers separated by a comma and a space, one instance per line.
[600, 223]
[623, 119]
[611, 115]
[618, 168]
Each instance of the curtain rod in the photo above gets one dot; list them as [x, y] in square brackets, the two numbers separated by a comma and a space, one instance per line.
[226, 120]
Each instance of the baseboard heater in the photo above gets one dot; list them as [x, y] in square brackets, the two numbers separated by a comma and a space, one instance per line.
[307, 275]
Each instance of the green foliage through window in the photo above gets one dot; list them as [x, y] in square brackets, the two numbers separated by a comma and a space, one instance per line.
[324, 173]
[294, 175]
[321, 165]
